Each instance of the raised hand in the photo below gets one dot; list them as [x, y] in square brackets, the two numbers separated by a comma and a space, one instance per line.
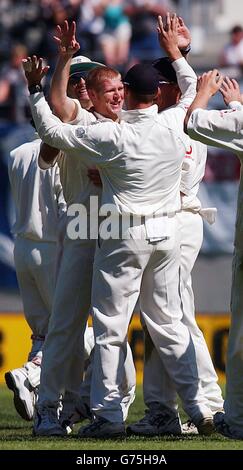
[66, 39]
[230, 90]
[34, 70]
[209, 83]
[184, 35]
[168, 35]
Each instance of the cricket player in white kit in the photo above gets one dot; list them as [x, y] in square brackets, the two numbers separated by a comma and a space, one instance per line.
[224, 129]
[40, 216]
[159, 392]
[63, 358]
[73, 70]
[148, 262]
[68, 94]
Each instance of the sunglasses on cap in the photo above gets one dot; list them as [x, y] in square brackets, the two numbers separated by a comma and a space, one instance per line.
[75, 78]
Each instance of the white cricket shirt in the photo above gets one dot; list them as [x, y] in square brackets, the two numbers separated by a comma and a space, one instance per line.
[222, 129]
[140, 158]
[37, 194]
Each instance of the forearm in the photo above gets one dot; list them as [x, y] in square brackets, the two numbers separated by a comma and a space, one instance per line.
[63, 106]
[54, 132]
[218, 128]
[187, 81]
[48, 154]
[201, 101]
[48, 126]
[173, 51]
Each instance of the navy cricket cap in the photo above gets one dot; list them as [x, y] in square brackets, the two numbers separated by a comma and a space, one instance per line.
[165, 70]
[143, 79]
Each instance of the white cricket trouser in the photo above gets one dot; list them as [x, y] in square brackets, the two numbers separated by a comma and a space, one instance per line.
[128, 385]
[234, 366]
[63, 356]
[159, 390]
[35, 268]
[62, 363]
[123, 268]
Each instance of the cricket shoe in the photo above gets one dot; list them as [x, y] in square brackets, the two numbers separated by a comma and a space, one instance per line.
[70, 417]
[223, 428]
[46, 422]
[156, 423]
[17, 380]
[206, 426]
[101, 428]
[189, 428]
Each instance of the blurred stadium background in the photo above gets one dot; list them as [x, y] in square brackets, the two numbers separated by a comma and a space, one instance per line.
[27, 27]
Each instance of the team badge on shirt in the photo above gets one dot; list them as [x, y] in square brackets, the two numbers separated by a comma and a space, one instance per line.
[80, 132]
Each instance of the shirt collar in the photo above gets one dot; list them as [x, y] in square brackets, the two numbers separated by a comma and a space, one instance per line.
[101, 117]
[135, 115]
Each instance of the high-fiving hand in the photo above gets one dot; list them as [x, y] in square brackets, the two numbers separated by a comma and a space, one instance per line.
[34, 70]
[66, 39]
[168, 35]
[230, 90]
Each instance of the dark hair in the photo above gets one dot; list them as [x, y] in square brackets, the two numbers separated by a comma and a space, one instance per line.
[236, 29]
[142, 98]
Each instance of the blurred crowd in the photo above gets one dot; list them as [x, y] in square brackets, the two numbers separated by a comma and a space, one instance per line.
[116, 32]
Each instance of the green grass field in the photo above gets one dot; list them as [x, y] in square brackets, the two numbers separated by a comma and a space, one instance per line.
[16, 434]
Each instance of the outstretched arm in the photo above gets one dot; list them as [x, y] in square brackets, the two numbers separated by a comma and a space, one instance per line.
[208, 85]
[171, 35]
[220, 128]
[64, 107]
[34, 72]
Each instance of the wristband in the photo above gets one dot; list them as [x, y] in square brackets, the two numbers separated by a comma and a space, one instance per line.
[185, 50]
[37, 88]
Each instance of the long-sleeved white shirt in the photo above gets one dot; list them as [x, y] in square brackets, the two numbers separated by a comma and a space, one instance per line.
[37, 194]
[77, 187]
[222, 129]
[140, 158]
[193, 167]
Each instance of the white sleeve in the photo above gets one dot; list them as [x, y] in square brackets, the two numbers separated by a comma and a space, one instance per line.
[83, 117]
[193, 166]
[187, 81]
[235, 105]
[218, 128]
[62, 206]
[95, 139]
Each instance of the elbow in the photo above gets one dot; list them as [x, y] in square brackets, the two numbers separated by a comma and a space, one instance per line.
[58, 105]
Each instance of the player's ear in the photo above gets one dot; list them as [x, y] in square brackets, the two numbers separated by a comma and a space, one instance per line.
[92, 94]
[126, 90]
